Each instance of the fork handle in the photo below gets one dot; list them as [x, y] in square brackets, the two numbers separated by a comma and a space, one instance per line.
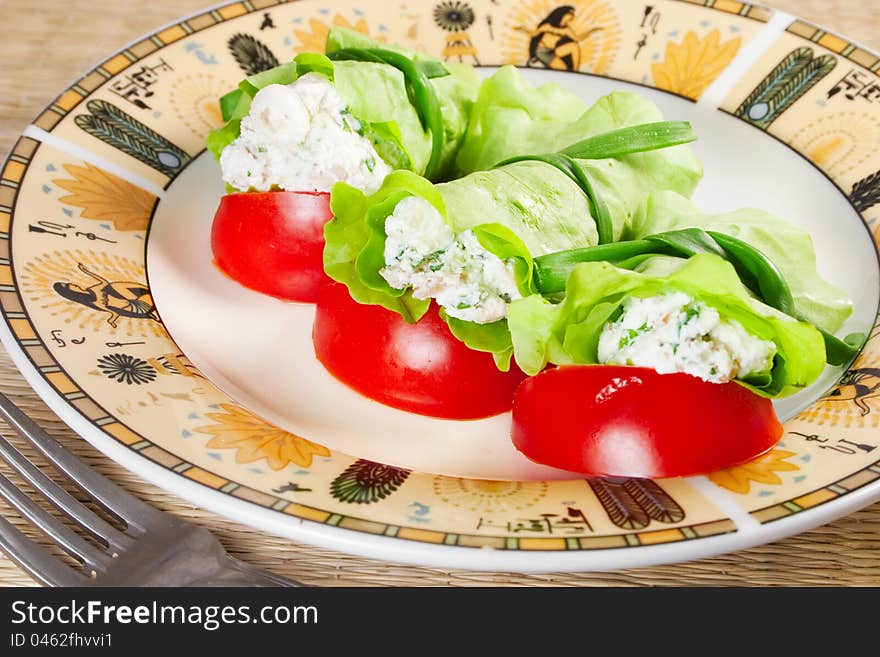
[190, 556]
[233, 572]
[197, 571]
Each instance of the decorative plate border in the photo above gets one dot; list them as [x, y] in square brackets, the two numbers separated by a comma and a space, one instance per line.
[70, 395]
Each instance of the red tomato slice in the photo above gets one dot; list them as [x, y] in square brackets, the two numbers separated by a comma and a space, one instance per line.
[273, 242]
[605, 420]
[418, 367]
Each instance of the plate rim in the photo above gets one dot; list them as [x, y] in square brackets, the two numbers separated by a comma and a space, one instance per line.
[413, 552]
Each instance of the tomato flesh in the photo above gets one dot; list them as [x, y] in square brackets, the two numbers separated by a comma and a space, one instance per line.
[421, 367]
[616, 421]
[273, 242]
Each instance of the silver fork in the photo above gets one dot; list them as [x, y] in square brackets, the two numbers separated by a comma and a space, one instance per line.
[153, 549]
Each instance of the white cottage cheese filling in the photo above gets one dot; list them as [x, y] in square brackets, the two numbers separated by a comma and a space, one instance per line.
[300, 137]
[675, 333]
[422, 252]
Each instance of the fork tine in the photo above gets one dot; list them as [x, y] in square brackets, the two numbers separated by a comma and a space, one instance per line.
[38, 563]
[112, 497]
[73, 508]
[91, 556]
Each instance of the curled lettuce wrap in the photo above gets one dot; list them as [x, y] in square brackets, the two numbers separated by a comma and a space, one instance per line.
[569, 332]
[789, 247]
[509, 227]
[399, 97]
[512, 118]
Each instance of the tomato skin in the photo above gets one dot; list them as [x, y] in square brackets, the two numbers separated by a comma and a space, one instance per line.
[615, 421]
[273, 242]
[421, 367]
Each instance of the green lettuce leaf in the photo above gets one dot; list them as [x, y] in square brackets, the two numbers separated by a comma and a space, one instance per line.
[675, 168]
[547, 208]
[220, 138]
[511, 118]
[493, 338]
[376, 94]
[341, 38]
[235, 104]
[790, 248]
[541, 205]
[501, 241]
[456, 93]
[282, 74]
[568, 332]
[355, 240]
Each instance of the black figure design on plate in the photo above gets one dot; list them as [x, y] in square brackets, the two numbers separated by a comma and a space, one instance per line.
[116, 298]
[858, 386]
[554, 42]
[120, 130]
[866, 192]
[795, 75]
[291, 487]
[268, 23]
[365, 482]
[46, 227]
[252, 55]
[455, 18]
[56, 335]
[650, 21]
[127, 369]
[634, 503]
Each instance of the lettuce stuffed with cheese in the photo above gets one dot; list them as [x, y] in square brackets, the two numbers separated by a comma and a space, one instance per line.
[354, 114]
[671, 314]
[788, 246]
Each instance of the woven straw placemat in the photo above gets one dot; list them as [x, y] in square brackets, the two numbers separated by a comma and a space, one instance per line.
[44, 44]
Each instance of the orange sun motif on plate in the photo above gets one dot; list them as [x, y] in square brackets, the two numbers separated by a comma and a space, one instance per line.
[489, 496]
[762, 470]
[840, 142]
[194, 99]
[315, 38]
[253, 439]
